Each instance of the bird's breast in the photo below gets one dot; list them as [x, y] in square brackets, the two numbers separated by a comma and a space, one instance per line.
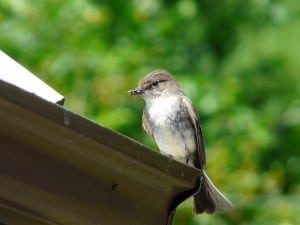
[162, 109]
[171, 128]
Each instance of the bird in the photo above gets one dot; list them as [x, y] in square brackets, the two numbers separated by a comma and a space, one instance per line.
[170, 118]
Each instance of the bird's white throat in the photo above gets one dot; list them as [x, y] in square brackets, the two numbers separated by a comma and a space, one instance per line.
[162, 107]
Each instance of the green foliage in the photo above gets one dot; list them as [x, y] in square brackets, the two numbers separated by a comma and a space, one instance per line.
[237, 60]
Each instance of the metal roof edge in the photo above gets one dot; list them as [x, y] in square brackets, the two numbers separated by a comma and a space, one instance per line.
[127, 173]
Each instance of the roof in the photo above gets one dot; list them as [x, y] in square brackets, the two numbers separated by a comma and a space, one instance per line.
[57, 167]
[14, 73]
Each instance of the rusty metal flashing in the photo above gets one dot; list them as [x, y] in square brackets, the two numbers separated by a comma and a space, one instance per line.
[57, 167]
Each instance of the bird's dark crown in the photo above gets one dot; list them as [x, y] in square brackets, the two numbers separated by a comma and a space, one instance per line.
[156, 81]
[154, 78]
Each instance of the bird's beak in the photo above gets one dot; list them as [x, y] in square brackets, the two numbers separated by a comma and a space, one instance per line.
[136, 91]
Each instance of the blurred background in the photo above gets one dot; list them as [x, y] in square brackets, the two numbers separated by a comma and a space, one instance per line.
[238, 61]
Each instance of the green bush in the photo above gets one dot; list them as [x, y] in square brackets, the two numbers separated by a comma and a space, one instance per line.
[237, 60]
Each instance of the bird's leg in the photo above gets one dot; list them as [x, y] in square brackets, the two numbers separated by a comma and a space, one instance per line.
[187, 160]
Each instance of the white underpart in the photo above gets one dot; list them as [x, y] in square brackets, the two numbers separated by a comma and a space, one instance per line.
[173, 138]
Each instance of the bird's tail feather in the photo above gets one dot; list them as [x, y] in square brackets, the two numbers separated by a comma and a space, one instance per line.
[209, 199]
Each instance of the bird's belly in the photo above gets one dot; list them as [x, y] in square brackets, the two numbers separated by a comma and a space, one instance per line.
[178, 145]
[171, 129]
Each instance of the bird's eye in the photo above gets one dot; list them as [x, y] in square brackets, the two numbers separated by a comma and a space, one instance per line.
[155, 83]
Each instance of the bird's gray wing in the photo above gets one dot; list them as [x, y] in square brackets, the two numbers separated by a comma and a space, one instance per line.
[146, 124]
[200, 157]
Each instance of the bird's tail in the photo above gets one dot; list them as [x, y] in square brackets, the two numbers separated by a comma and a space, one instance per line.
[209, 199]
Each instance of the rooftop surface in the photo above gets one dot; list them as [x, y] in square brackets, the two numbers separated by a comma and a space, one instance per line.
[57, 167]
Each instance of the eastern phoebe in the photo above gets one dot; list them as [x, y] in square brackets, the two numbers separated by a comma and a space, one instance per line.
[170, 118]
